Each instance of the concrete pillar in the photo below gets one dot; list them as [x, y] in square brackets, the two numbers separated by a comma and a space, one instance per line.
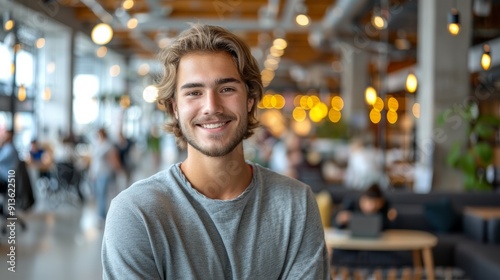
[353, 83]
[56, 114]
[443, 83]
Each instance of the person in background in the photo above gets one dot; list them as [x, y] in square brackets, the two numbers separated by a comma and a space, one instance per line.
[364, 167]
[124, 146]
[371, 202]
[9, 158]
[214, 215]
[104, 165]
[41, 159]
[66, 160]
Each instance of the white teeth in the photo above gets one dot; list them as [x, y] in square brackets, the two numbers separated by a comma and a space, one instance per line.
[212, 125]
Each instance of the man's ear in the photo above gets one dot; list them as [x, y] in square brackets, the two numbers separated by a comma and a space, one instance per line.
[174, 108]
[250, 104]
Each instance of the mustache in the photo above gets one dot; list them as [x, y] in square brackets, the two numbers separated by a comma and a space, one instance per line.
[214, 118]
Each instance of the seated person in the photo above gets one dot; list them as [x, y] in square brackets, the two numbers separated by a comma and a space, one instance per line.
[371, 201]
[40, 158]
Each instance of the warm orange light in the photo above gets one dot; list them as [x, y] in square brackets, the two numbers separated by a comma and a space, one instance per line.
[102, 34]
[299, 114]
[486, 57]
[334, 115]
[302, 20]
[128, 4]
[411, 83]
[21, 93]
[454, 22]
[40, 43]
[370, 95]
[337, 103]
[416, 110]
[9, 25]
[375, 116]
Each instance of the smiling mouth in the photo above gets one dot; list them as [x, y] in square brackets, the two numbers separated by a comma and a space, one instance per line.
[213, 125]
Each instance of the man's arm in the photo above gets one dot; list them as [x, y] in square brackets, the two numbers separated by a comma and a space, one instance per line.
[311, 260]
[126, 248]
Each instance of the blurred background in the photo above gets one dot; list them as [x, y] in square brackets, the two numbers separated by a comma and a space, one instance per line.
[403, 93]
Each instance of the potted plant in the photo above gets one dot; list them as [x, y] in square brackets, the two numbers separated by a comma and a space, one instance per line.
[473, 159]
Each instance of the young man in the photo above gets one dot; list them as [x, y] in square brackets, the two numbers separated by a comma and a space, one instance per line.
[214, 215]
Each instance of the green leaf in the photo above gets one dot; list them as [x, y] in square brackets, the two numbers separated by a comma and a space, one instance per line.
[454, 155]
[483, 151]
[470, 182]
[468, 164]
[483, 130]
[489, 119]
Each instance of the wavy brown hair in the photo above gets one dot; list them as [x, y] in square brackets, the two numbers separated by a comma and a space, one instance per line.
[212, 39]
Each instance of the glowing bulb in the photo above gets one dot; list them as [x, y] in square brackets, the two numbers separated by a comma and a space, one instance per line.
[416, 110]
[102, 34]
[102, 51]
[150, 94]
[21, 93]
[132, 23]
[114, 71]
[302, 20]
[379, 22]
[370, 95]
[454, 22]
[40, 43]
[128, 4]
[375, 116]
[411, 83]
[486, 57]
[280, 43]
[9, 25]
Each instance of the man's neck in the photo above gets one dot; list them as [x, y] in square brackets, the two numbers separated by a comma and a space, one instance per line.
[217, 177]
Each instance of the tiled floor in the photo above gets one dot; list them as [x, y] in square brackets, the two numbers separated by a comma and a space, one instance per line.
[62, 243]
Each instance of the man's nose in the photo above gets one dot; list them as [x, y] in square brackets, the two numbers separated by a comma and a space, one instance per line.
[213, 103]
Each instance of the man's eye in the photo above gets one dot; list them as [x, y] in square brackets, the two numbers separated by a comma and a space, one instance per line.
[227, 90]
[193, 93]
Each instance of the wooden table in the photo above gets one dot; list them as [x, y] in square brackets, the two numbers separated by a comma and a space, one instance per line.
[477, 221]
[485, 213]
[419, 242]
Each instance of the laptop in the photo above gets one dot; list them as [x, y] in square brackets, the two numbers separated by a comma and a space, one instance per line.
[365, 226]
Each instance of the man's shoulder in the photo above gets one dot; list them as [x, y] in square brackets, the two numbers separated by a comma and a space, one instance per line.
[150, 191]
[274, 181]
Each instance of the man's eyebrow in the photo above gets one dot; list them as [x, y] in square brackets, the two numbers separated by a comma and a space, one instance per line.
[218, 82]
[227, 80]
[192, 85]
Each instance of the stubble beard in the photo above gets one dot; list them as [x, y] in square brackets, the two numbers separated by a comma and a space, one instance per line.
[217, 151]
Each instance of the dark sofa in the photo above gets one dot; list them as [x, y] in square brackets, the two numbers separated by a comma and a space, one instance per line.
[464, 241]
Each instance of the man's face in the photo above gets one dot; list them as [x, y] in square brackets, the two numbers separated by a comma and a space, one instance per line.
[211, 103]
[370, 205]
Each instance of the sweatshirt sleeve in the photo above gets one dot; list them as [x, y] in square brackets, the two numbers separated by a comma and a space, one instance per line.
[126, 248]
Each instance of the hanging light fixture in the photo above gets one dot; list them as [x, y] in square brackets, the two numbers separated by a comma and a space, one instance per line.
[411, 83]
[8, 22]
[370, 95]
[21, 93]
[47, 93]
[486, 57]
[102, 33]
[454, 22]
